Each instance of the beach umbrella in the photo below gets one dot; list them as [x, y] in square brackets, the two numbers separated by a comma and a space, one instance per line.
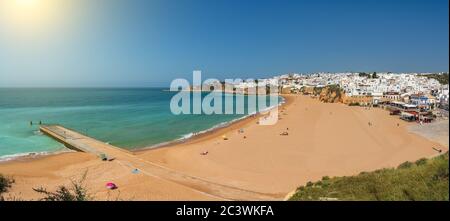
[111, 186]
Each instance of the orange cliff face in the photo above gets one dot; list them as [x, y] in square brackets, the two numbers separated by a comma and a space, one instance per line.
[331, 95]
[327, 94]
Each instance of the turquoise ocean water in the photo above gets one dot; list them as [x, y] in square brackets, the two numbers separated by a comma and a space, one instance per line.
[128, 118]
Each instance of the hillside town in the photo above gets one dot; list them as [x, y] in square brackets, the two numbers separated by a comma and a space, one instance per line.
[413, 96]
[420, 97]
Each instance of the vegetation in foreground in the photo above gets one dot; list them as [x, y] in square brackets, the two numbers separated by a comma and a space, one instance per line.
[422, 180]
[5, 184]
[75, 192]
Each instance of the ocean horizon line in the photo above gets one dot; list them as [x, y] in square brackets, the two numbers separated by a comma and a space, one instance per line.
[89, 87]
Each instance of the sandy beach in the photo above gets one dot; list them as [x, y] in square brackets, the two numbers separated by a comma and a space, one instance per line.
[323, 140]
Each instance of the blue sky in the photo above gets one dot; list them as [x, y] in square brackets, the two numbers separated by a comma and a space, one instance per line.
[135, 43]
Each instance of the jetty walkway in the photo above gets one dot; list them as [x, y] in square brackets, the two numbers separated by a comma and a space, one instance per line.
[79, 142]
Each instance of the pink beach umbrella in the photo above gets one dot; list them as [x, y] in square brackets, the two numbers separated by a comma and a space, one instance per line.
[111, 186]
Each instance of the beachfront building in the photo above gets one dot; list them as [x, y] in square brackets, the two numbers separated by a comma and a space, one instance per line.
[360, 100]
[377, 98]
[424, 102]
[391, 96]
[401, 106]
[409, 116]
[442, 97]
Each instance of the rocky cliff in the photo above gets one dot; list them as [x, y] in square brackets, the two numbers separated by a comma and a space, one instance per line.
[330, 94]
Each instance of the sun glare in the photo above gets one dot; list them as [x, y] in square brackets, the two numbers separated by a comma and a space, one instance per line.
[30, 16]
[27, 3]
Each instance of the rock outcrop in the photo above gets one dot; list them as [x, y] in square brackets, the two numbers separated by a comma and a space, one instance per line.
[331, 94]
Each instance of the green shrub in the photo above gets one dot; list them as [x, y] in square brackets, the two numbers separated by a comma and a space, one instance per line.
[378, 171]
[421, 162]
[5, 183]
[325, 178]
[441, 173]
[405, 165]
[429, 181]
[309, 184]
[76, 192]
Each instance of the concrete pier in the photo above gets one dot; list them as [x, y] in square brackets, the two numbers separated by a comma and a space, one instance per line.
[79, 142]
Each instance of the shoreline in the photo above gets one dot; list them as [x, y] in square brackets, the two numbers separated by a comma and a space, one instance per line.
[33, 155]
[198, 136]
[211, 133]
[217, 130]
[264, 162]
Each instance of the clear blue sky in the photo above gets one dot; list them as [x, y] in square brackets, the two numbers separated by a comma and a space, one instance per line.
[151, 42]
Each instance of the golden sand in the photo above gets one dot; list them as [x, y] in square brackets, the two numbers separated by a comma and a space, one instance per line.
[323, 140]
